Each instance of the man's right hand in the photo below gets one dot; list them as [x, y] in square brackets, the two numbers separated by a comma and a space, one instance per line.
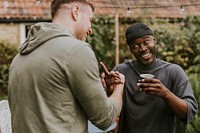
[112, 78]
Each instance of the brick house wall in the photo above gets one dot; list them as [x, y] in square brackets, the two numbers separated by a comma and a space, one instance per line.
[14, 33]
[10, 33]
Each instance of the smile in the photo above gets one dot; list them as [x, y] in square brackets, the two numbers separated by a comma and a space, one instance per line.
[145, 55]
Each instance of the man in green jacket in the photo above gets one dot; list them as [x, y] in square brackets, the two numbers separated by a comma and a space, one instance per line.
[54, 83]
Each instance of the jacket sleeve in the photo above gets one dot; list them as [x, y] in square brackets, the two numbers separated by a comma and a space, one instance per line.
[87, 87]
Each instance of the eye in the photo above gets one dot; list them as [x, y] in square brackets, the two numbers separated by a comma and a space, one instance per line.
[147, 41]
[134, 46]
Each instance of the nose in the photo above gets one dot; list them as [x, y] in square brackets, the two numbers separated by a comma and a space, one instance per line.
[143, 47]
[89, 31]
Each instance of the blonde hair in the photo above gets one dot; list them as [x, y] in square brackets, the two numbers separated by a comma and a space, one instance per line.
[56, 4]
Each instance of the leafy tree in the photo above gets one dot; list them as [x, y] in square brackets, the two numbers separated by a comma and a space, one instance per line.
[192, 30]
[172, 44]
[102, 40]
[7, 52]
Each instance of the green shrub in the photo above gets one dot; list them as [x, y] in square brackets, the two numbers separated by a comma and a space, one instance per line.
[7, 52]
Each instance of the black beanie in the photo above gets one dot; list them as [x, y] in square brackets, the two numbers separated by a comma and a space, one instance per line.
[136, 31]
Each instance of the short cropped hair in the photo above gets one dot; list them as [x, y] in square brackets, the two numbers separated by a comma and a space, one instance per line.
[56, 4]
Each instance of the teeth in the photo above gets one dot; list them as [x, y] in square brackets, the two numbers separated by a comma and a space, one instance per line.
[145, 55]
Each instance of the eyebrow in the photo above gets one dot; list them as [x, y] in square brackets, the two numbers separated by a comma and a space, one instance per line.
[146, 37]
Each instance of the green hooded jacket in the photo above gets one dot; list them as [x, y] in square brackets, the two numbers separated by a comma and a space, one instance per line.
[54, 85]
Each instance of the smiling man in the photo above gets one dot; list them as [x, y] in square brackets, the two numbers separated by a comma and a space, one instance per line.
[149, 105]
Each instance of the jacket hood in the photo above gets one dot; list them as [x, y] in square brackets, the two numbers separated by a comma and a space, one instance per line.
[40, 33]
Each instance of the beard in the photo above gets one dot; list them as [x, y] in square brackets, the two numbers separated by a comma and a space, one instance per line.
[80, 35]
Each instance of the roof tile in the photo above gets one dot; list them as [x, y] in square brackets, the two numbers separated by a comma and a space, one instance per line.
[34, 9]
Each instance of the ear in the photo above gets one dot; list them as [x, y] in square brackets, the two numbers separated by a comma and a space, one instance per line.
[155, 41]
[75, 12]
[130, 49]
